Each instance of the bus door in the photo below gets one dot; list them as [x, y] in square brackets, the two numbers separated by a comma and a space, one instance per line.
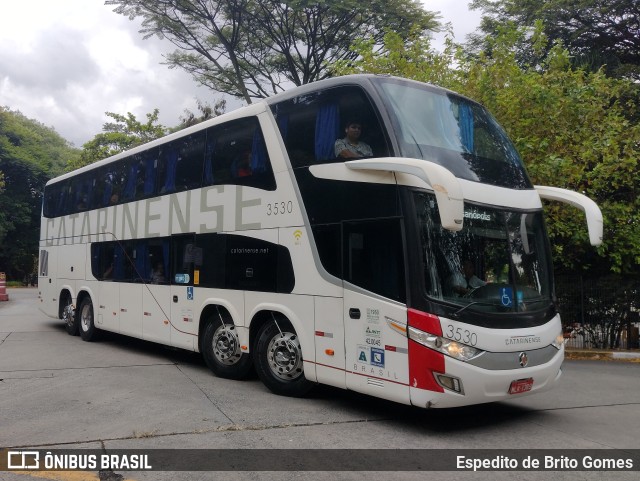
[184, 256]
[374, 290]
[131, 289]
[111, 272]
[156, 296]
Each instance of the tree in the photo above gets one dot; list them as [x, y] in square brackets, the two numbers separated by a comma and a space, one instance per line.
[570, 126]
[412, 57]
[123, 134]
[206, 112]
[255, 48]
[596, 33]
[30, 154]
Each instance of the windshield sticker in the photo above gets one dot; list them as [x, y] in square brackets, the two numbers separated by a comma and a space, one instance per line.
[477, 215]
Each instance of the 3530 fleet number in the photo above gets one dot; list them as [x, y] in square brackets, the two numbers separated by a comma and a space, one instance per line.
[459, 334]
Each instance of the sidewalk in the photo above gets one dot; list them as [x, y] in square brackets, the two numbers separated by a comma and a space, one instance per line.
[602, 355]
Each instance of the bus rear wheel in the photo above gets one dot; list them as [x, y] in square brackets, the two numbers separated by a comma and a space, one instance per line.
[278, 359]
[222, 352]
[88, 331]
[69, 317]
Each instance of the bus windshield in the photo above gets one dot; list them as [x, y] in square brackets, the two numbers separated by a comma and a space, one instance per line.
[498, 263]
[452, 131]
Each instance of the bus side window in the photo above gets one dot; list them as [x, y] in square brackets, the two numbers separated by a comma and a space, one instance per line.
[103, 260]
[213, 270]
[184, 256]
[167, 164]
[156, 267]
[237, 154]
[311, 124]
[373, 257]
[189, 165]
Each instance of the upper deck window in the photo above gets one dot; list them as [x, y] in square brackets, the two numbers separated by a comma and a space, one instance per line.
[311, 124]
[230, 153]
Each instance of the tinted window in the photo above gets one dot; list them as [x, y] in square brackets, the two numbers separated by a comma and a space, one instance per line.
[452, 131]
[205, 260]
[213, 270]
[236, 153]
[327, 239]
[311, 124]
[185, 256]
[373, 257]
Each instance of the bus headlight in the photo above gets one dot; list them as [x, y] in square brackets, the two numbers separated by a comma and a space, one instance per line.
[456, 350]
[559, 341]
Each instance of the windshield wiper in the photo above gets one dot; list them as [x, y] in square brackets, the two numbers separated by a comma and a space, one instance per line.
[458, 312]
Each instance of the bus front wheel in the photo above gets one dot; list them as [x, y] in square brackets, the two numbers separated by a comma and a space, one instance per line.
[88, 331]
[278, 359]
[222, 352]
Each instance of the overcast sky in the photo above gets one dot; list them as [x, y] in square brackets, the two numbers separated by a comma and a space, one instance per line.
[67, 62]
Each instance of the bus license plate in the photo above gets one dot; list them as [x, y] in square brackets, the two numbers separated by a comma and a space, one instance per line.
[521, 385]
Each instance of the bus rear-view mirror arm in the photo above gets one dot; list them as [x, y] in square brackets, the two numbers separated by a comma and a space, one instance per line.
[445, 185]
[582, 202]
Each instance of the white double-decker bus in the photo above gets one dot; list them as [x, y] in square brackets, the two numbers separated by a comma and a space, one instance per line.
[420, 274]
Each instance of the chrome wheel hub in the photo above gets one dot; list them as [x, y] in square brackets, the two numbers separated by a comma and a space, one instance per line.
[226, 345]
[68, 314]
[285, 356]
[85, 318]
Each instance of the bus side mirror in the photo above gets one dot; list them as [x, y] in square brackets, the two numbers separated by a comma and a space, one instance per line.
[445, 185]
[582, 202]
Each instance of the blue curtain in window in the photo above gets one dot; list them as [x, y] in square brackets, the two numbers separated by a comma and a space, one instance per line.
[108, 189]
[118, 263]
[149, 175]
[130, 186]
[466, 126]
[141, 264]
[165, 253]
[327, 126]
[210, 148]
[258, 153]
[171, 157]
[283, 125]
[61, 198]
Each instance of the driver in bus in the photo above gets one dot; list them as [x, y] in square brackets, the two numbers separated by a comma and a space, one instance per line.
[465, 281]
[351, 147]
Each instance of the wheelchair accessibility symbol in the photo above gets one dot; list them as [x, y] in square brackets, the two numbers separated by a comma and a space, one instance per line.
[506, 296]
[189, 293]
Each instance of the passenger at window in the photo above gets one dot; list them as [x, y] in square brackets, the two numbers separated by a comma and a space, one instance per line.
[243, 168]
[351, 147]
[157, 275]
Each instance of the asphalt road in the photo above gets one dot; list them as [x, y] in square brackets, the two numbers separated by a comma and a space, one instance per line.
[58, 392]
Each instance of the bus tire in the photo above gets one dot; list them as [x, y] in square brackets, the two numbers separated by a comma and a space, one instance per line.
[277, 357]
[86, 325]
[222, 352]
[69, 317]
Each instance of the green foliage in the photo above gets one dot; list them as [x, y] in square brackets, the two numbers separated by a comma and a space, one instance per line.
[255, 48]
[598, 34]
[411, 57]
[573, 129]
[123, 134]
[30, 154]
[206, 111]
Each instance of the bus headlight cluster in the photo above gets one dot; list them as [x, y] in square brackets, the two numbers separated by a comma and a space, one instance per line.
[559, 341]
[449, 347]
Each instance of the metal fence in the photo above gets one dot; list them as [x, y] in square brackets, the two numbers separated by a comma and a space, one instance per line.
[599, 312]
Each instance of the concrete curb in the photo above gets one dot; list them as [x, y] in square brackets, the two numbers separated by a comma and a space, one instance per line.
[628, 356]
